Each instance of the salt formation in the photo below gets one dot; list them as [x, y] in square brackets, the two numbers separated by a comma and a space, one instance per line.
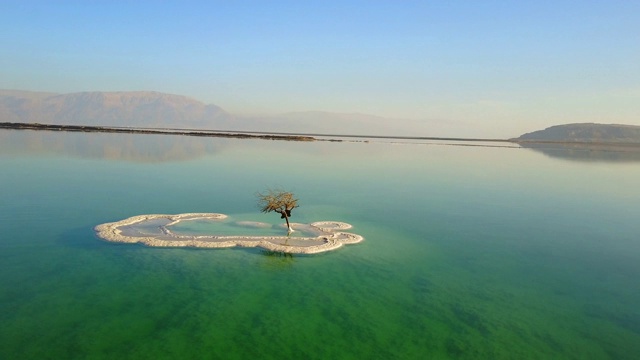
[158, 230]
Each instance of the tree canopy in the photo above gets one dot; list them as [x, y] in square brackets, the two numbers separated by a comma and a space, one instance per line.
[279, 201]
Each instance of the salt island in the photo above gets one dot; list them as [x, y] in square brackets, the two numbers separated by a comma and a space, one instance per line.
[211, 230]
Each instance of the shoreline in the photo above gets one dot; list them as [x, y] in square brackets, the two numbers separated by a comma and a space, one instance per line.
[133, 130]
[291, 136]
[267, 135]
[331, 236]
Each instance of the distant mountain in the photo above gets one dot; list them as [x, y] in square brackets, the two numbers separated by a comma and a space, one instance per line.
[585, 133]
[154, 109]
[135, 108]
[159, 110]
[322, 122]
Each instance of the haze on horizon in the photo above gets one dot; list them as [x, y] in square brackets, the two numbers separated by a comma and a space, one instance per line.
[487, 69]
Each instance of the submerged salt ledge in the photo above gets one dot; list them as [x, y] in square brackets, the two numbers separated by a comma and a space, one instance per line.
[132, 230]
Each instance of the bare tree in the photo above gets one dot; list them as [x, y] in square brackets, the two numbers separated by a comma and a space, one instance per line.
[279, 201]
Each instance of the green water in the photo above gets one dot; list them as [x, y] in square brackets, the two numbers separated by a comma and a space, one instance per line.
[470, 252]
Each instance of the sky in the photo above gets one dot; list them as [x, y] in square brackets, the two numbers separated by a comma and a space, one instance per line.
[493, 68]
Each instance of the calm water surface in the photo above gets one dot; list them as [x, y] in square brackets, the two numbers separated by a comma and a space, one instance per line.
[470, 252]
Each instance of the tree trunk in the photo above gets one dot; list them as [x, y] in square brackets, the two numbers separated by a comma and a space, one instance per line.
[286, 218]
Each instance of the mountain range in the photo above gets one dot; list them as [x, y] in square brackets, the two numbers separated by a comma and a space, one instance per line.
[135, 109]
[148, 109]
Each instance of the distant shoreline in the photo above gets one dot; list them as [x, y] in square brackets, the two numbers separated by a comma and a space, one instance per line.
[113, 129]
[224, 133]
[266, 135]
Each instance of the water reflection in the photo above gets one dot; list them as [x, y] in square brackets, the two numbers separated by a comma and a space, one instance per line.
[150, 148]
[587, 152]
[277, 254]
[277, 260]
[147, 148]
[133, 148]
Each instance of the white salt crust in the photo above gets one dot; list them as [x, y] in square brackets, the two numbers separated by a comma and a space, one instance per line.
[332, 237]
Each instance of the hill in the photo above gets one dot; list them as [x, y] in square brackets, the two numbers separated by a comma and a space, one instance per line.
[134, 108]
[585, 133]
[159, 110]
[147, 109]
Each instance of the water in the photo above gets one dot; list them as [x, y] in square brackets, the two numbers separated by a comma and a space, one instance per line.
[470, 252]
[231, 227]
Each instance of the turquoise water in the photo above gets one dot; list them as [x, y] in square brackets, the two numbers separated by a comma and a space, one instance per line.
[235, 227]
[470, 252]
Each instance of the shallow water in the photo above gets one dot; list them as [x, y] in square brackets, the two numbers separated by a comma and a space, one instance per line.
[470, 252]
[232, 227]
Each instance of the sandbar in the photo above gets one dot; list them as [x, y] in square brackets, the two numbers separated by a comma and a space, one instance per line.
[156, 230]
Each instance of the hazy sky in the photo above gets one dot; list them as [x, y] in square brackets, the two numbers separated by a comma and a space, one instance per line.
[497, 67]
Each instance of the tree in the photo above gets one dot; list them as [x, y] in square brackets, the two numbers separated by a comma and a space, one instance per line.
[279, 201]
